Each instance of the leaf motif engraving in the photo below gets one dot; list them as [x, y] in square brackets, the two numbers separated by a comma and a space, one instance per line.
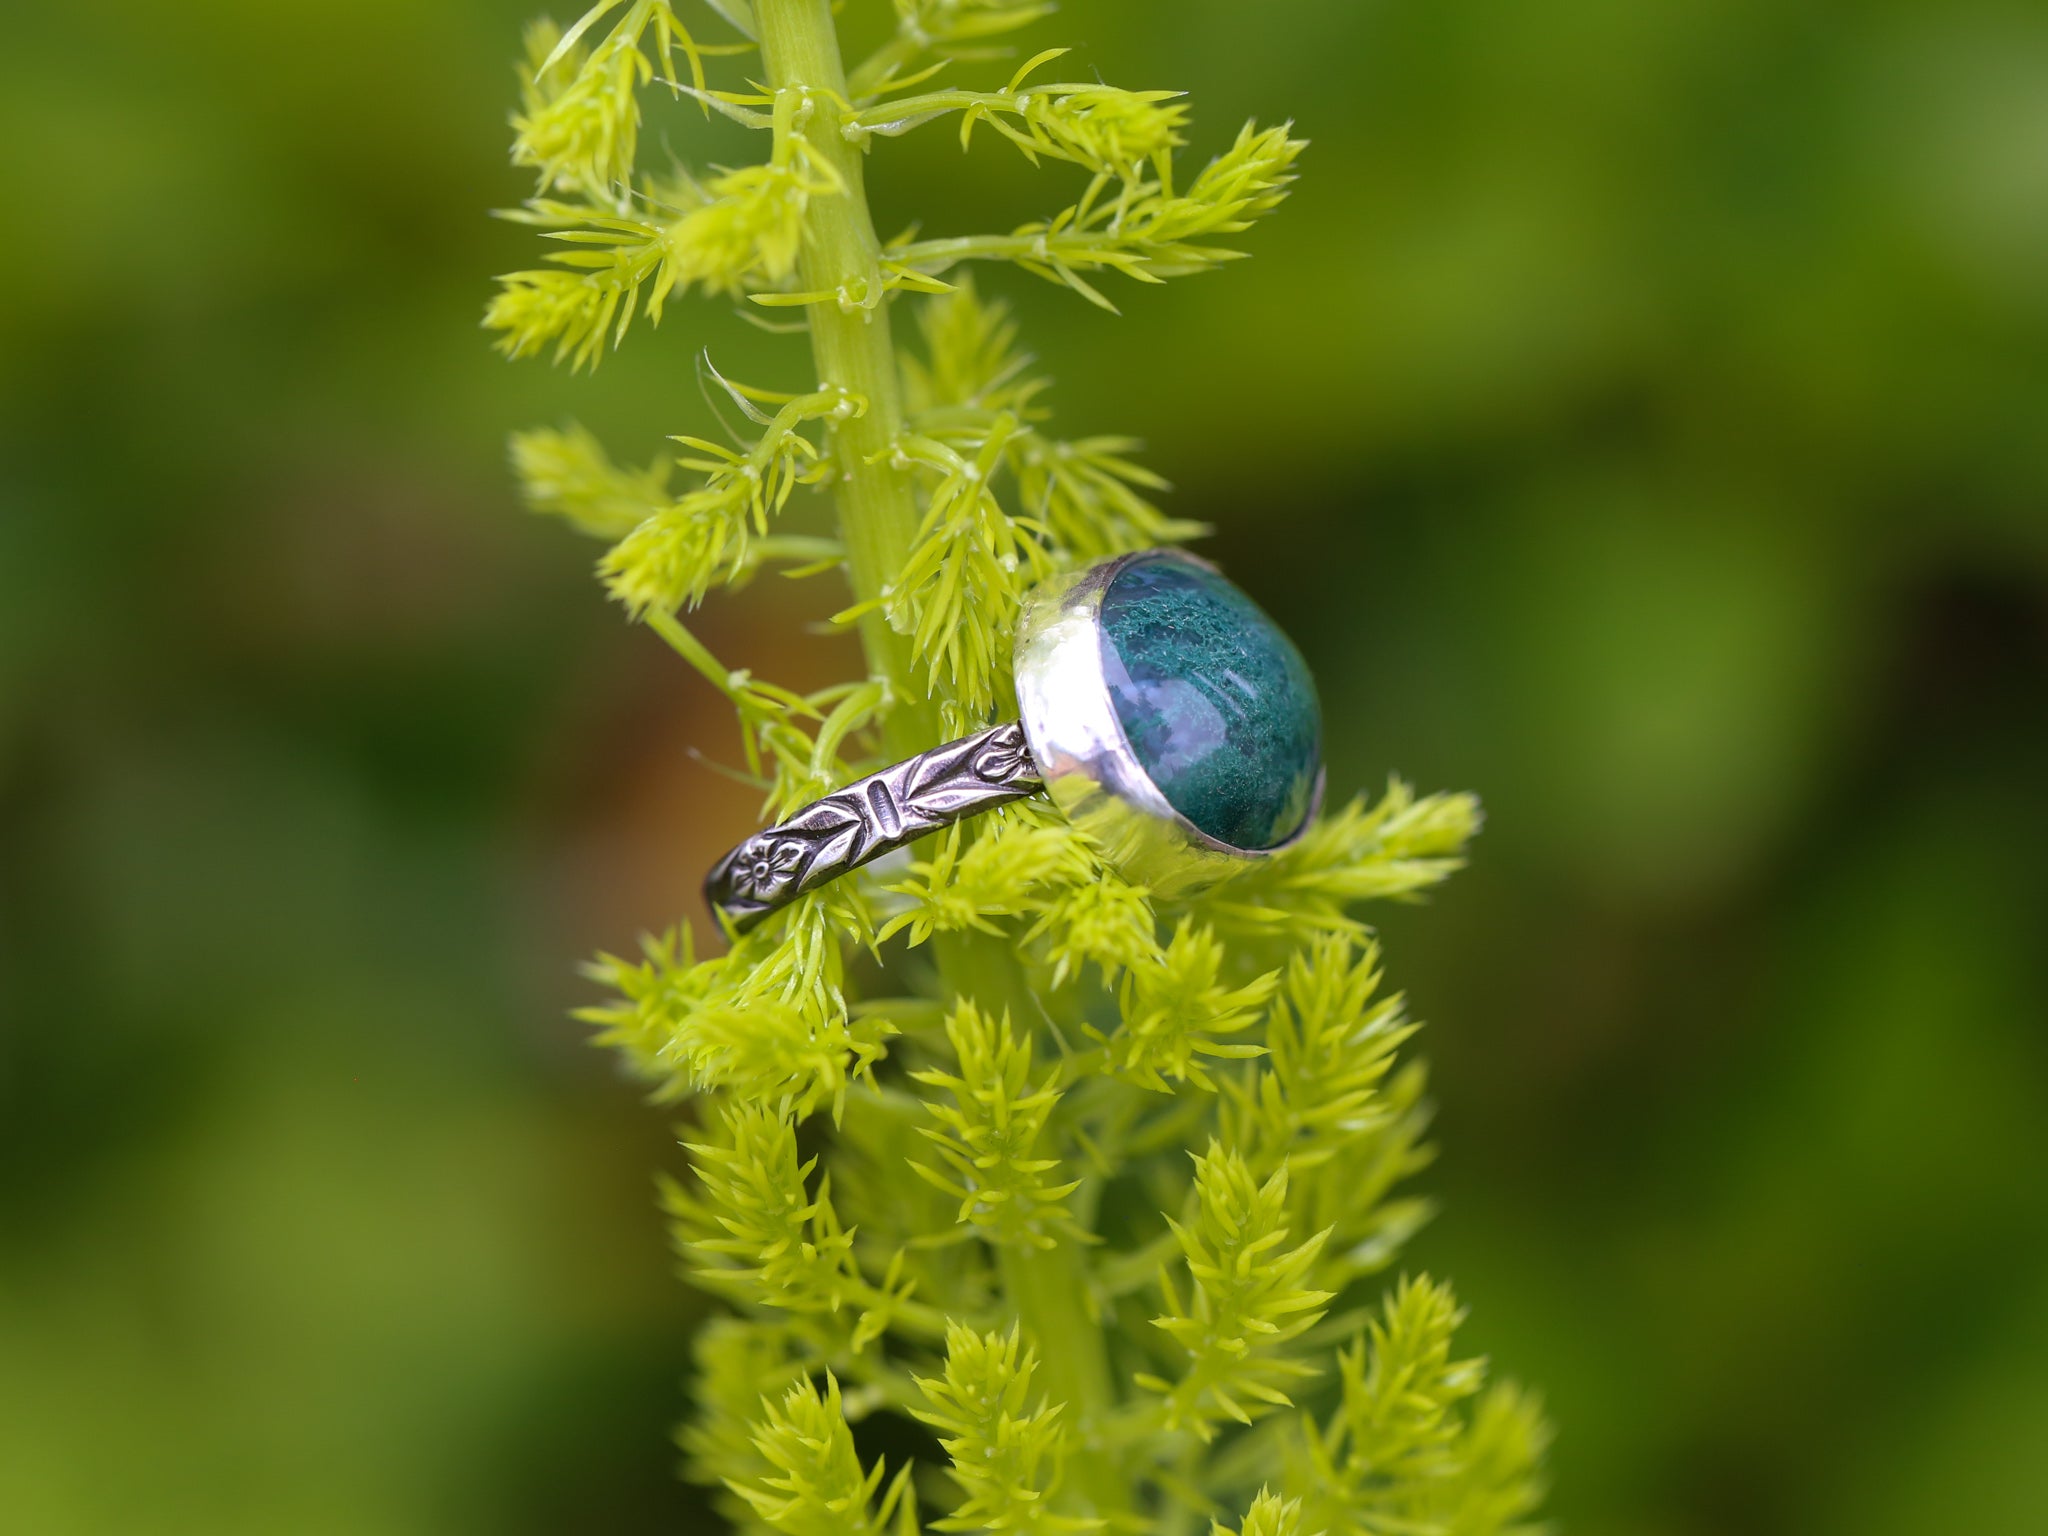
[871, 817]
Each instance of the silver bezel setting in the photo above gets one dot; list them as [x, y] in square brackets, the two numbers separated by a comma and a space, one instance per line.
[1081, 750]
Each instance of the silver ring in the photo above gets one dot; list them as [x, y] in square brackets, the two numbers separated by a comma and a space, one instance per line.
[1226, 768]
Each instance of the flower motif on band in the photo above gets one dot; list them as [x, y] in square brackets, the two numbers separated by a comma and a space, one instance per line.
[766, 870]
[1005, 758]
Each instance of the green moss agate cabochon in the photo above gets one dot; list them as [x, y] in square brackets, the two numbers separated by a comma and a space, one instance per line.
[1216, 702]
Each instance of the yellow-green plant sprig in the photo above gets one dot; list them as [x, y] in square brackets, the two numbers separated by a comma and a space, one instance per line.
[1095, 1198]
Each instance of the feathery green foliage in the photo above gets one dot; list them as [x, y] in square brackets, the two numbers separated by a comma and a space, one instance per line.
[1090, 1187]
[814, 1485]
[988, 1135]
[1005, 1447]
[1248, 1297]
[1405, 1449]
[1270, 1515]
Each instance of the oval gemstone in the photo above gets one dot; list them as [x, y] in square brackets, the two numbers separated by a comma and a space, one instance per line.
[1214, 699]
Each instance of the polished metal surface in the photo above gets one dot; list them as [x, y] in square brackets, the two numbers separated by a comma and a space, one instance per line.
[868, 818]
[1081, 750]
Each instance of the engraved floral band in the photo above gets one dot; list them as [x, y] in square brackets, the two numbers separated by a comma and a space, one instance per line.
[871, 817]
[1161, 709]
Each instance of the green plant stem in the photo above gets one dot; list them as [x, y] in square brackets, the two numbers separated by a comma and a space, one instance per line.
[1048, 1288]
[878, 520]
[850, 342]
[1083, 247]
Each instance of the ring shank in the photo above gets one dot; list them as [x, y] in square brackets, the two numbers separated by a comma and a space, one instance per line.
[868, 818]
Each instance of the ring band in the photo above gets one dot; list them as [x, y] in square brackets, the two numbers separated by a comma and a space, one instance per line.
[1168, 717]
[868, 818]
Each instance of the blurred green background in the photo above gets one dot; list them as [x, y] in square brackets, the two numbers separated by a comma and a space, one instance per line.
[1640, 414]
